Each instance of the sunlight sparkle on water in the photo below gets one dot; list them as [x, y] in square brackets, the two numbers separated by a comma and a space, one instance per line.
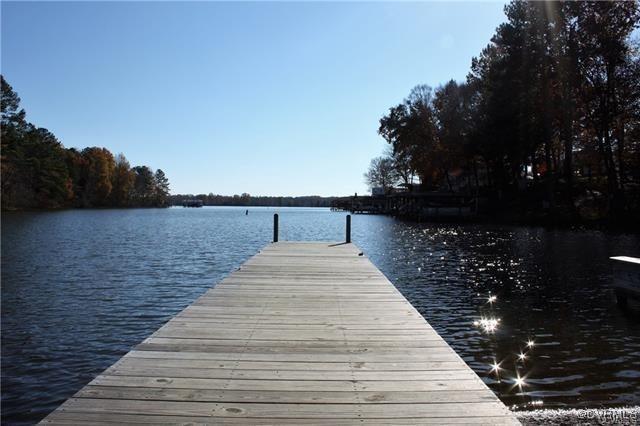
[492, 299]
[522, 356]
[530, 343]
[488, 325]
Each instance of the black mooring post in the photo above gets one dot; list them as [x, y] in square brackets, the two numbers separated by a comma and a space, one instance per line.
[348, 239]
[275, 228]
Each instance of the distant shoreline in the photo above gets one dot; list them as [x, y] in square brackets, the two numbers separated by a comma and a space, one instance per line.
[247, 200]
[504, 219]
[60, 209]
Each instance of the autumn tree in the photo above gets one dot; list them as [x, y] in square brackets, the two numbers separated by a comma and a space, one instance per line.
[97, 171]
[122, 182]
[38, 172]
[550, 107]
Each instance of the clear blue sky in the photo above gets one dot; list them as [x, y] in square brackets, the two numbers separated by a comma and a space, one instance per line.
[265, 98]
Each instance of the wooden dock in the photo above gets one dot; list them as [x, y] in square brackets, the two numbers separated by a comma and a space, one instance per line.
[626, 278]
[302, 333]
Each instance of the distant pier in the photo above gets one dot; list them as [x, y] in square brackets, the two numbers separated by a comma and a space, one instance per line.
[427, 205]
[302, 333]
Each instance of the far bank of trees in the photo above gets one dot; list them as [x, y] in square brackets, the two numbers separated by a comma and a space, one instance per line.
[549, 114]
[39, 172]
[250, 200]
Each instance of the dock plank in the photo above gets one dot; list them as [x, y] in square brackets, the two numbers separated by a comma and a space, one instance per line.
[301, 333]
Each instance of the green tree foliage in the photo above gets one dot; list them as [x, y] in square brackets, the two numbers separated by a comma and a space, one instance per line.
[45, 170]
[13, 130]
[33, 167]
[143, 186]
[38, 172]
[161, 186]
[550, 107]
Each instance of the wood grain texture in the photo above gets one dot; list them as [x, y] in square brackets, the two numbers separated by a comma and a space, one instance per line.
[302, 333]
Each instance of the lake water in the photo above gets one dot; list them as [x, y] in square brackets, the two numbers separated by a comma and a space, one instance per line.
[81, 288]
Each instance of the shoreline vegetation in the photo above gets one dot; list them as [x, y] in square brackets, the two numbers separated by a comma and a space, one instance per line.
[38, 172]
[247, 200]
[546, 126]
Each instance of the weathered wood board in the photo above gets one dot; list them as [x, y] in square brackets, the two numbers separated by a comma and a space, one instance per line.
[302, 333]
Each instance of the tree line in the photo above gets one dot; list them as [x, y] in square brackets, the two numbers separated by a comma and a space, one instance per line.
[549, 115]
[39, 172]
[249, 200]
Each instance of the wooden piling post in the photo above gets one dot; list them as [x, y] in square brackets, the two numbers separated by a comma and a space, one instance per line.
[275, 228]
[348, 236]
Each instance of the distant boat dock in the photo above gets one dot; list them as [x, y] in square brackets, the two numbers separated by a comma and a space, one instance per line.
[413, 204]
[301, 333]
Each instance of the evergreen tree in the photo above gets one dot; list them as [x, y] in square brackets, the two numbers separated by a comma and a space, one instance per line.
[143, 186]
[38, 172]
[161, 189]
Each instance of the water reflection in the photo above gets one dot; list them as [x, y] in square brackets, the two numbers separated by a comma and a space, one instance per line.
[517, 376]
[519, 381]
[495, 292]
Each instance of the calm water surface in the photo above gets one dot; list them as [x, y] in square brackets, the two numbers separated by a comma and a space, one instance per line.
[81, 288]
